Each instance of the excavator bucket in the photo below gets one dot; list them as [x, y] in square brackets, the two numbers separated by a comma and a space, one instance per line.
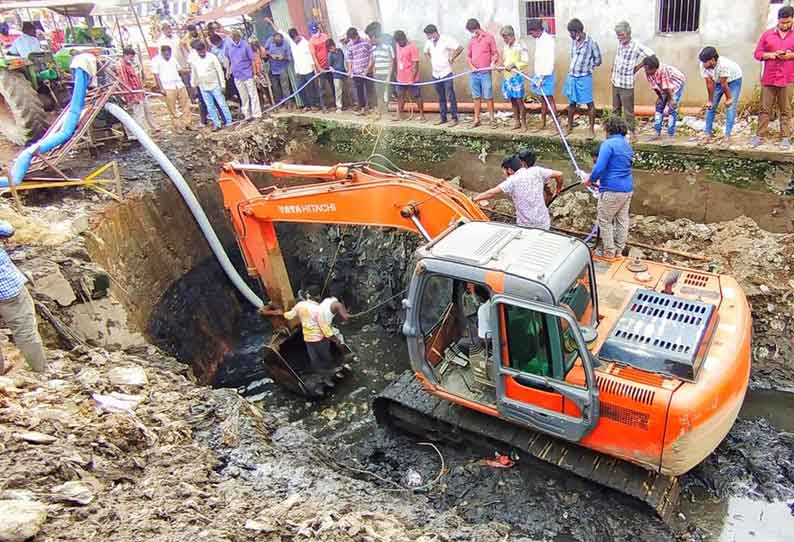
[286, 361]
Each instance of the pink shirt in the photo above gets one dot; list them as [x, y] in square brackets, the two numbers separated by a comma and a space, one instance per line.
[777, 73]
[406, 57]
[482, 50]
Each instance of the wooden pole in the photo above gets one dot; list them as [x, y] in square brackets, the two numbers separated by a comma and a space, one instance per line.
[641, 245]
[140, 29]
[121, 37]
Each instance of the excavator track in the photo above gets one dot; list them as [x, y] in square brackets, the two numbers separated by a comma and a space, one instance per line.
[405, 405]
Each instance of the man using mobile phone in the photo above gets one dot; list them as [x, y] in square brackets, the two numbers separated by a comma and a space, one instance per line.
[776, 50]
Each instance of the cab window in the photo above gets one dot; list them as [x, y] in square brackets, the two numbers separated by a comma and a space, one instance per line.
[539, 344]
[437, 295]
[528, 341]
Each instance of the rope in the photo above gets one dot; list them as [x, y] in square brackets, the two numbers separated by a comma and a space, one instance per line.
[333, 262]
[372, 79]
[379, 305]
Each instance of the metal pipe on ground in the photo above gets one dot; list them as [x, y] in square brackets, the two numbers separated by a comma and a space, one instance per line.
[641, 245]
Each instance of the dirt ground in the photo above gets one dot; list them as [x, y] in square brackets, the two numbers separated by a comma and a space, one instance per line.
[144, 453]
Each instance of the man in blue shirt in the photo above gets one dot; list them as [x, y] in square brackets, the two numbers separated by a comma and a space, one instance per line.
[26, 43]
[279, 54]
[16, 307]
[612, 175]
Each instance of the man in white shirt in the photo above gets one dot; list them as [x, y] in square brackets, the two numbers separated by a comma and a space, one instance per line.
[442, 52]
[178, 53]
[26, 43]
[525, 186]
[305, 65]
[543, 79]
[206, 73]
[723, 77]
[166, 74]
[330, 308]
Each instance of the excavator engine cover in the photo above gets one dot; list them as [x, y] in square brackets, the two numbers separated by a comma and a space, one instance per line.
[287, 363]
[660, 333]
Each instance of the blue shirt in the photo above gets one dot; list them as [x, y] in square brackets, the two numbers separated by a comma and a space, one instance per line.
[11, 280]
[24, 45]
[277, 67]
[613, 166]
[241, 58]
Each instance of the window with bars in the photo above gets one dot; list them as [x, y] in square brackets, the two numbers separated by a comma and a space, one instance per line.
[679, 16]
[540, 9]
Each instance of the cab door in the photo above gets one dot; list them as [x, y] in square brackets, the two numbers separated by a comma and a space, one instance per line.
[535, 347]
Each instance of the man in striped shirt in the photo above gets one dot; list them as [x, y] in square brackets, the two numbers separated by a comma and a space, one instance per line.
[585, 57]
[628, 62]
[668, 83]
[359, 61]
[382, 69]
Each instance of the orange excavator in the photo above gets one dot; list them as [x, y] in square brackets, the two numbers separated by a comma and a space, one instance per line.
[625, 372]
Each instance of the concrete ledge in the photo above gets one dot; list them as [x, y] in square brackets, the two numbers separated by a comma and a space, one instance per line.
[411, 141]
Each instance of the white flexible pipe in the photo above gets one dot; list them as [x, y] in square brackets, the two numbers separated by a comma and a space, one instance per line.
[190, 199]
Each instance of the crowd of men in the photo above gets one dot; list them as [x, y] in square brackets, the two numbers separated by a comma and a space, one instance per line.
[368, 69]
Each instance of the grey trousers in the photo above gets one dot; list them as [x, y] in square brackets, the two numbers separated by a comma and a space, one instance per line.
[613, 221]
[19, 314]
[623, 104]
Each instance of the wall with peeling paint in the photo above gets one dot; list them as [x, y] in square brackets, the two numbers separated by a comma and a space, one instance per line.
[733, 27]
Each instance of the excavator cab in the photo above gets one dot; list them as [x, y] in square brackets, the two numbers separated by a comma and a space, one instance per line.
[517, 343]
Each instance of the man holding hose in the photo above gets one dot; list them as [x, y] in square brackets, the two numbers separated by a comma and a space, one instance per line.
[612, 175]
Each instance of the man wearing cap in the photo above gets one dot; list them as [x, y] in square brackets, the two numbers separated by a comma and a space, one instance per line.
[318, 44]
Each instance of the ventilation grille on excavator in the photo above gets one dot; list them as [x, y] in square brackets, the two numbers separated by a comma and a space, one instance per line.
[613, 387]
[660, 333]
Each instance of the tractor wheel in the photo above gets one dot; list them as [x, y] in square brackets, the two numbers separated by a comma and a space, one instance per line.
[22, 117]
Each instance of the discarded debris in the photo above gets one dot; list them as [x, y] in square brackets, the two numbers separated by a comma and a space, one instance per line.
[73, 492]
[412, 478]
[34, 437]
[127, 376]
[500, 461]
[118, 402]
[20, 520]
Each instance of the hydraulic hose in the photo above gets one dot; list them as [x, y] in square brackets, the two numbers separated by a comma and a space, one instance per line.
[190, 199]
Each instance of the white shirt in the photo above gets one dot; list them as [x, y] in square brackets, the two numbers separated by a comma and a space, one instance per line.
[484, 329]
[544, 55]
[176, 50]
[168, 72]
[525, 188]
[206, 73]
[440, 53]
[325, 308]
[725, 68]
[301, 55]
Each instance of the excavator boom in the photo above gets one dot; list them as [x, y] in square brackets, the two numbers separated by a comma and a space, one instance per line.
[351, 194]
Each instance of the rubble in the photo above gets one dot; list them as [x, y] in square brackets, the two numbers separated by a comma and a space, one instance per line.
[20, 520]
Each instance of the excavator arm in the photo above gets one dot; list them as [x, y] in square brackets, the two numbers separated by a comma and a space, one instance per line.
[349, 194]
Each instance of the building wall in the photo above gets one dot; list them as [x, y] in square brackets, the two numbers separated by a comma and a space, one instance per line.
[733, 27]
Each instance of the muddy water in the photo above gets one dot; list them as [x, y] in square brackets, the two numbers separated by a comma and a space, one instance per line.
[691, 195]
